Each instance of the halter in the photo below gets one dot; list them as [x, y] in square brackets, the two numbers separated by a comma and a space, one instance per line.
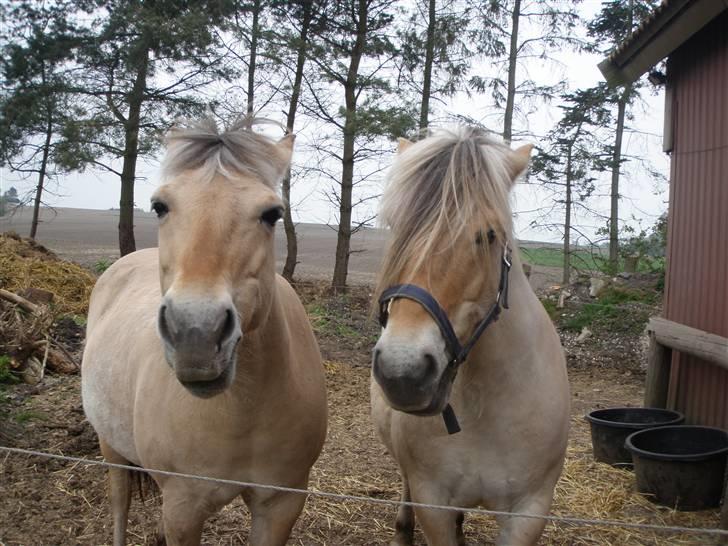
[458, 353]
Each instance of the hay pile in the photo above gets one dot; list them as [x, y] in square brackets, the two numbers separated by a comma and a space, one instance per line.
[25, 264]
[27, 325]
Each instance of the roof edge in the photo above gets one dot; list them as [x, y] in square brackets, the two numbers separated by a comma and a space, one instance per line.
[670, 26]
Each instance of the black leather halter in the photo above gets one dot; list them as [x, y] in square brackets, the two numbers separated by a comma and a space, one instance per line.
[458, 352]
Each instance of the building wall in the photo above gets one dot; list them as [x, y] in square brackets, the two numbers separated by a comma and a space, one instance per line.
[696, 288]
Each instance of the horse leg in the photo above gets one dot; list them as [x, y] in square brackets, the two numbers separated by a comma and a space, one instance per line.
[459, 529]
[441, 527]
[404, 525]
[186, 505]
[119, 492]
[515, 531]
[273, 516]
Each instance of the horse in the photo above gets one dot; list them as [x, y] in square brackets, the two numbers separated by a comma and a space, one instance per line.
[199, 359]
[452, 287]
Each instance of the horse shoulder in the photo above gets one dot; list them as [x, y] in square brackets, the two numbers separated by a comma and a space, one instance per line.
[302, 339]
[120, 338]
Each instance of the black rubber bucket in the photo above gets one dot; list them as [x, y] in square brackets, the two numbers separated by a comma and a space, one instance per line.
[610, 428]
[682, 466]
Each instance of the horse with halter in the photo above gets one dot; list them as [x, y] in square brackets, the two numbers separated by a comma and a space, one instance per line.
[464, 336]
[199, 358]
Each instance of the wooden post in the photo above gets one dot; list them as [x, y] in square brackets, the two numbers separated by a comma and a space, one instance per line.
[659, 362]
[724, 511]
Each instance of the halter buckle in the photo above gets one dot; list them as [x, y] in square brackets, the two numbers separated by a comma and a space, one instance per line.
[507, 255]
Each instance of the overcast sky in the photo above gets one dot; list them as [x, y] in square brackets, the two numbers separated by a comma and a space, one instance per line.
[643, 200]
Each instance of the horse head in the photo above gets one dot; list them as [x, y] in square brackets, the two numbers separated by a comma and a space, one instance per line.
[445, 273]
[217, 210]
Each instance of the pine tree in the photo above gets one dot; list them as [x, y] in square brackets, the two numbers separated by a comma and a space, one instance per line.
[501, 23]
[143, 63]
[352, 57]
[576, 154]
[35, 64]
[434, 54]
[613, 24]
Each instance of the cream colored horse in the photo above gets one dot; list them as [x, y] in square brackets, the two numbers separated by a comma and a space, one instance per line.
[199, 359]
[451, 234]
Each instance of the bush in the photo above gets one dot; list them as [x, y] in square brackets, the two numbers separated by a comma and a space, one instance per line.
[610, 311]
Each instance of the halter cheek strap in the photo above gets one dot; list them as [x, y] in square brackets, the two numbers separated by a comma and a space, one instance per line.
[458, 353]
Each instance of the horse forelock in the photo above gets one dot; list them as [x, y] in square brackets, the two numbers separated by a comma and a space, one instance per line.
[446, 186]
[202, 146]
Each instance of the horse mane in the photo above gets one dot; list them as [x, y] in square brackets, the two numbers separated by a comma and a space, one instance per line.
[201, 145]
[455, 179]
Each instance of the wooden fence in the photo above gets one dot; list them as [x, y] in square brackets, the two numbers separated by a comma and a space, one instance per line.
[666, 336]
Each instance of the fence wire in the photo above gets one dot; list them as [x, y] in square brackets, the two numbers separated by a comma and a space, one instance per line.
[569, 520]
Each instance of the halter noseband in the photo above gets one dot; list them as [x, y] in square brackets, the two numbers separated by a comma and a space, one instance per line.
[458, 352]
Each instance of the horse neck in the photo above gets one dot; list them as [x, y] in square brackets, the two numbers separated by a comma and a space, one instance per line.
[503, 340]
[263, 352]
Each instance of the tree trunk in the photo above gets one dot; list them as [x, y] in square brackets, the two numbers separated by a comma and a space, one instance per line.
[291, 239]
[127, 243]
[512, 62]
[429, 60]
[253, 55]
[341, 266]
[616, 167]
[566, 276]
[42, 172]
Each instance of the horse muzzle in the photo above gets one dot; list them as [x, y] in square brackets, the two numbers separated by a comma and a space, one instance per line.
[200, 337]
[419, 387]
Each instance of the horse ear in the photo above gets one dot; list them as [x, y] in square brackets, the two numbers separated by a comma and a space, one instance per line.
[519, 160]
[403, 144]
[284, 147]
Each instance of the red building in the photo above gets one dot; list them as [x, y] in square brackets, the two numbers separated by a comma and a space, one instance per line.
[693, 36]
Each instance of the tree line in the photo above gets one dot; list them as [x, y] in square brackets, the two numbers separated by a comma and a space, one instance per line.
[94, 84]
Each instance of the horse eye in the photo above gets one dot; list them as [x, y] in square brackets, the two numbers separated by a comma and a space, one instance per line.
[490, 235]
[160, 208]
[271, 216]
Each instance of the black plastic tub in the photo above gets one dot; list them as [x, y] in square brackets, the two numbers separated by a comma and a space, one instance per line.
[610, 428]
[682, 466]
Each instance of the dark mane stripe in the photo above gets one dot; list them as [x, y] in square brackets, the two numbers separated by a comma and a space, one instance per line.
[454, 181]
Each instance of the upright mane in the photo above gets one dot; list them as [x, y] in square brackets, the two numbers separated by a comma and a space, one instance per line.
[454, 179]
[238, 149]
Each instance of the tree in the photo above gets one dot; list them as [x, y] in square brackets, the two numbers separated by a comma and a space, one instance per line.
[613, 24]
[352, 56]
[301, 21]
[576, 154]
[36, 103]
[435, 53]
[142, 63]
[552, 24]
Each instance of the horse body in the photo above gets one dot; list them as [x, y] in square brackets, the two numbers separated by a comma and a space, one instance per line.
[511, 396]
[161, 402]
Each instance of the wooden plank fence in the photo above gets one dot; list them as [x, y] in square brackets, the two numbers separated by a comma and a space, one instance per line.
[666, 336]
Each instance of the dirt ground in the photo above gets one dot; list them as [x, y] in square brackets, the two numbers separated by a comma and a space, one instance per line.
[46, 502]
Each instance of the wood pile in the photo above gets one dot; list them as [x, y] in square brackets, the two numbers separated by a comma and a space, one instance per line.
[38, 291]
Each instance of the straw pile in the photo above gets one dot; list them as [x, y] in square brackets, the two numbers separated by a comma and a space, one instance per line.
[25, 264]
[29, 270]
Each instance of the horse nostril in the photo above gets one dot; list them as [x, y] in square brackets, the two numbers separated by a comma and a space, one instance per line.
[430, 366]
[228, 328]
[162, 322]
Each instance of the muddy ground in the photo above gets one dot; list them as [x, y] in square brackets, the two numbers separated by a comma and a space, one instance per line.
[46, 502]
